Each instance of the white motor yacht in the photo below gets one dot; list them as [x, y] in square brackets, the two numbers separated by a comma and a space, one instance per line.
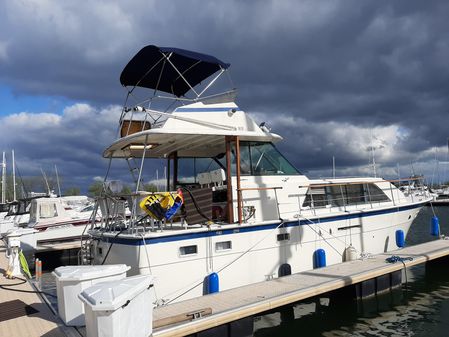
[235, 210]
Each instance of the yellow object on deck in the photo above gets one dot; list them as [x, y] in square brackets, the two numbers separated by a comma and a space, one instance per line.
[24, 264]
[162, 205]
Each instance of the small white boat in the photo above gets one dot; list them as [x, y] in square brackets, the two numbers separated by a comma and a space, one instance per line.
[247, 213]
[441, 196]
[4, 208]
[18, 215]
[53, 220]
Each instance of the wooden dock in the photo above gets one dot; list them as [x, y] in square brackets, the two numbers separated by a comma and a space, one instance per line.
[32, 317]
[26, 314]
[235, 304]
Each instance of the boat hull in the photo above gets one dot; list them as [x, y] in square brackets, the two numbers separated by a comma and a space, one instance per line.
[255, 254]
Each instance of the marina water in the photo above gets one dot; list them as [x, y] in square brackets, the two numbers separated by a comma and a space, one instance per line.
[420, 308]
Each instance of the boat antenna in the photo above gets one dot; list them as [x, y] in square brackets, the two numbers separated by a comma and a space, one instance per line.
[3, 178]
[333, 167]
[24, 190]
[14, 176]
[372, 154]
[412, 168]
[57, 181]
[447, 160]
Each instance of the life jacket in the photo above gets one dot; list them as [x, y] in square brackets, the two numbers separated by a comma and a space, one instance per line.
[163, 205]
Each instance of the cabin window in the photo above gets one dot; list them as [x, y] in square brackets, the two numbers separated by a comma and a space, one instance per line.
[33, 212]
[267, 160]
[223, 245]
[260, 159]
[316, 197]
[188, 250]
[189, 168]
[376, 194]
[47, 211]
[283, 237]
[344, 195]
[355, 194]
[88, 209]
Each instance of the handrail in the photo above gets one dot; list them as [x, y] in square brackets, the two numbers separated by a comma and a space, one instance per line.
[260, 188]
[359, 182]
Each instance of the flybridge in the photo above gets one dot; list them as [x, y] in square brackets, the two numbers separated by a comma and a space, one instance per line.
[185, 75]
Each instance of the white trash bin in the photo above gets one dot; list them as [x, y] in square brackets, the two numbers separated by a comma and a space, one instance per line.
[72, 280]
[119, 308]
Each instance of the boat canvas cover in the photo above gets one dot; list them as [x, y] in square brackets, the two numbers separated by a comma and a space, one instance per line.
[149, 68]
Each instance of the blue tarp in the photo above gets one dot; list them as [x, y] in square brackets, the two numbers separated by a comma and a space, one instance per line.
[149, 69]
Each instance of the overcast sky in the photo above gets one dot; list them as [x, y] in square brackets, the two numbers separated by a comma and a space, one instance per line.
[332, 77]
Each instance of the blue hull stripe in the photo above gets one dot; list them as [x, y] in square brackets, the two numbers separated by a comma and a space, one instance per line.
[220, 232]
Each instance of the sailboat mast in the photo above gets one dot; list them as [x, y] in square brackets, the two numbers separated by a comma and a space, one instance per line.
[14, 176]
[46, 181]
[4, 178]
[57, 181]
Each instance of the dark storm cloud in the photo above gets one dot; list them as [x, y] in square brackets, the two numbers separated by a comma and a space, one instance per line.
[326, 66]
[72, 141]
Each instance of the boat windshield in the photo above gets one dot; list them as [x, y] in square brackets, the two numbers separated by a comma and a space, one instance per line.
[263, 159]
[256, 159]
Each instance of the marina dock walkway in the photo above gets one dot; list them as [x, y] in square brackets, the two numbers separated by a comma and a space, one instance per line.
[26, 314]
[238, 303]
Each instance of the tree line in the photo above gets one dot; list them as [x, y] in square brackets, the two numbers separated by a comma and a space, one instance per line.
[25, 185]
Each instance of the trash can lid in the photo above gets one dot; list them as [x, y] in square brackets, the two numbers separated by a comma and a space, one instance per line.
[82, 273]
[112, 295]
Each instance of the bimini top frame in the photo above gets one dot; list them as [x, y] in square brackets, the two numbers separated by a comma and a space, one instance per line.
[171, 70]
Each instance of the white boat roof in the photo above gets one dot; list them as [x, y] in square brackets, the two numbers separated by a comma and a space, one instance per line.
[194, 130]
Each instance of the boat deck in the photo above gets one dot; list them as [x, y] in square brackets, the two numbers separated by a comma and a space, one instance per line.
[238, 303]
[53, 246]
[26, 314]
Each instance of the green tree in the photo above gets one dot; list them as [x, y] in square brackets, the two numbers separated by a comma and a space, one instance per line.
[95, 189]
[72, 191]
[150, 187]
[126, 190]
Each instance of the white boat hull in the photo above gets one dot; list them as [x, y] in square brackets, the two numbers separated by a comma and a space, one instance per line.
[369, 233]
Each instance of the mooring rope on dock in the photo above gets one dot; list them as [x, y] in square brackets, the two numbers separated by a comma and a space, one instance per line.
[397, 258]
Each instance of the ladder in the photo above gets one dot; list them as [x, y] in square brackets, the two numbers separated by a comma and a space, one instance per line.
[132, 168]
[85, 254]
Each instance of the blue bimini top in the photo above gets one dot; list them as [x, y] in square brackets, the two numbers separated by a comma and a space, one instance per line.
[160, 68]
